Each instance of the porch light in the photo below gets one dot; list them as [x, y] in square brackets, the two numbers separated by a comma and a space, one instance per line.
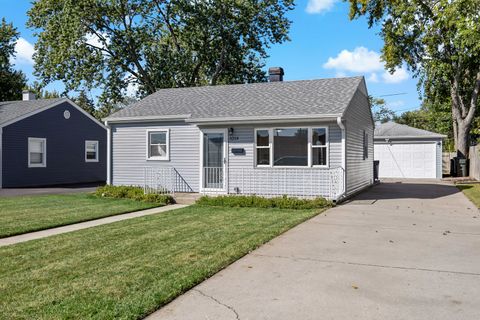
[230, 131]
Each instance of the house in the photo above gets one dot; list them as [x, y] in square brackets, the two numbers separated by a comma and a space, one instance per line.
[300, 138]
[407, 152]
[50, 142]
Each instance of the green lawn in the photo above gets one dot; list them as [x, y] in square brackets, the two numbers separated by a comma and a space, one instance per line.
[128, 269]
[31, 213]
[472, 191]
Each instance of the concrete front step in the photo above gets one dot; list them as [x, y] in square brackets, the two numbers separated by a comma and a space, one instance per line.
[186, 198]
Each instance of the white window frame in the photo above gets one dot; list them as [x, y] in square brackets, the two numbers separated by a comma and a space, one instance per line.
[167, 140]
[270, 144]
[326, 146]
[44, 158]
[96, 153]
[309, 146]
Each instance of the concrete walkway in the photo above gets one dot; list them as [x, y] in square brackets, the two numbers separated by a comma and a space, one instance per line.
[398, 251]
[83, 225]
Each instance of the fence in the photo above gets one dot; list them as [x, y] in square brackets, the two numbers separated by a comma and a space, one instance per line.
[474, 162]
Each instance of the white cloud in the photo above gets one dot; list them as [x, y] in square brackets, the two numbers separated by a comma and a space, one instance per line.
[340, 74]
[94, 40]
[398, 76]
[358, 60]
[373, 78]
[24, 51]
[132, 89]
[362, 60]
[319, 6]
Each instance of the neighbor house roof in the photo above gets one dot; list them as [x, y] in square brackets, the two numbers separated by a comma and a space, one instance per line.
[393, 130]
[256, 101]
[11, 110]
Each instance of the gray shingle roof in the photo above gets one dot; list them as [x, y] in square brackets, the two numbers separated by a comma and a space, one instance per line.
[10, 110]
[395, 130]
[269, 99]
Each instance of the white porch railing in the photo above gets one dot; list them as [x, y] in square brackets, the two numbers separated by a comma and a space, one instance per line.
[164, 181]
[295, 182]
[269, 182]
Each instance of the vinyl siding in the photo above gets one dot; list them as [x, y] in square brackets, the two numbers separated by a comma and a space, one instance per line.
[129, 152]
[65, 149]
[359, 171]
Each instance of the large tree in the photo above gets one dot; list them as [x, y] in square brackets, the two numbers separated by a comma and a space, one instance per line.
[439, 40]
[11, 81]
[154, 44]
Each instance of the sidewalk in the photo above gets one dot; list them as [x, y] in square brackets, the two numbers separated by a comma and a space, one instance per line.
[84, 225]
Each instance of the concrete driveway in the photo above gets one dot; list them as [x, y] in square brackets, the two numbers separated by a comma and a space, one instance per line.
[15, 192]
[398, 251]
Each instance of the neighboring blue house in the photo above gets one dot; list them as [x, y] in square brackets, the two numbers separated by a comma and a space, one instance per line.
[300, 138]
[50, 142]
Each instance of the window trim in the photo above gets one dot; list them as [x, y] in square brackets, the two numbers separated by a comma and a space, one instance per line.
[167, 142]
[44, 158]
[269, 147]
[326, 146]
[97, 156]
[309, 146]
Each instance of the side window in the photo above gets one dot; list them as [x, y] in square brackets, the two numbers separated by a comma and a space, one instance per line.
[319, 147]
[365, 145]
[37, 152]
[91, 151]
[263, 147]
[158, 145]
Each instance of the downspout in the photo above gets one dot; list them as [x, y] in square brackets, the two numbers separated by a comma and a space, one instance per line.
[344, 159]
[109, 153]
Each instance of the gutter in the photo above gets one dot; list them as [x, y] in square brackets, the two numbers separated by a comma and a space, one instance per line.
[176, 117]
[344, 153]
[440, 136]
[262, 119]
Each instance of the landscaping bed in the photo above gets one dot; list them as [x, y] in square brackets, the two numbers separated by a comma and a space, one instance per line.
[128, 269]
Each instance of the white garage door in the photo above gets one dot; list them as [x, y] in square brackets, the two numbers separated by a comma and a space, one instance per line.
[406, 160]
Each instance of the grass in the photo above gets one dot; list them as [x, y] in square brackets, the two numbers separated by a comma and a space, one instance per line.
[32, 213]
[128, 269]
[472, 191]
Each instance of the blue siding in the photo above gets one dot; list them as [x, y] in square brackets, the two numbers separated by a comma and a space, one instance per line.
[65, 149]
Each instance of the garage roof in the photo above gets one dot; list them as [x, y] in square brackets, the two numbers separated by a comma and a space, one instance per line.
[393, 130]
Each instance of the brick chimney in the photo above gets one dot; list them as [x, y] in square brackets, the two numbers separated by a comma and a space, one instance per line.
[27, 95]
[275, 74]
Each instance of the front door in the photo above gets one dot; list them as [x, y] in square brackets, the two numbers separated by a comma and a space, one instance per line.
[213, 160]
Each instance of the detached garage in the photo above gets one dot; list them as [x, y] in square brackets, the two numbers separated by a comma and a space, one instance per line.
[406, 152]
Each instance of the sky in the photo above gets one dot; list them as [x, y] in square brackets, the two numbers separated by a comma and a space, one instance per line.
[324, 44]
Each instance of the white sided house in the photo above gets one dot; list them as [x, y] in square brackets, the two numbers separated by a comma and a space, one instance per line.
[298, 138]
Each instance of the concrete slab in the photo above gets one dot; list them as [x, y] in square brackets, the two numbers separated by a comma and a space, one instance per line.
[410, 254]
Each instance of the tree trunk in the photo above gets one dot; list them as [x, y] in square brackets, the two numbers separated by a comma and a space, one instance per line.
[462, 141]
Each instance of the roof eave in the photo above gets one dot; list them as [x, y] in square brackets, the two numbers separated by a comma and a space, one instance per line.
[264, 119]
[439, 136]
[178, 117]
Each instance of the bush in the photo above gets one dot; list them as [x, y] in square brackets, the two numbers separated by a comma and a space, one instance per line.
[262, 202]
[131, 192]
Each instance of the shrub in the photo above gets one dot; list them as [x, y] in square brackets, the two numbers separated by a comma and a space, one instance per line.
[131, 192]
[283, 202]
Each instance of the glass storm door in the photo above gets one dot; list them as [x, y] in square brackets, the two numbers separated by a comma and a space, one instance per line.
[213, 160]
